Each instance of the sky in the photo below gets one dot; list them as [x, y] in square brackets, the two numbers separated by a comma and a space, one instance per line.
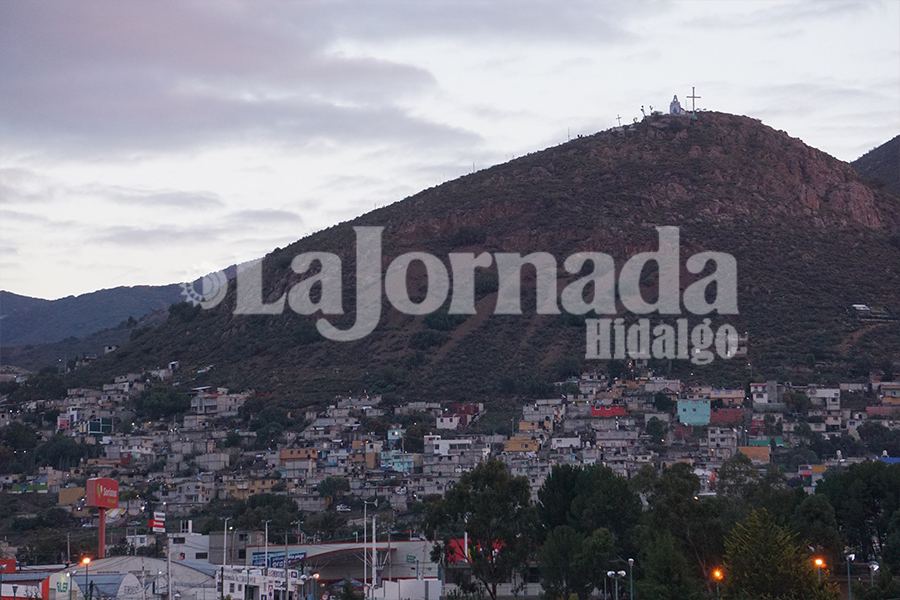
[154, 142]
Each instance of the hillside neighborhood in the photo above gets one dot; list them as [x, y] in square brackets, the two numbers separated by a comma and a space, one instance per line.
[177, 454]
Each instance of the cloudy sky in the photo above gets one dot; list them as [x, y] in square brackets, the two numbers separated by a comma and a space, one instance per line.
[153, 142]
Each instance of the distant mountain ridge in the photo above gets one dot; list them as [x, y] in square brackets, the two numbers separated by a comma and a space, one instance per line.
[25, 320]
[881, 165]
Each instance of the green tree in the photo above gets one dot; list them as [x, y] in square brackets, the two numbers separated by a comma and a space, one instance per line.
[598, 550]
[695, 523]
[815, 522]
[764, 561]
[18, 436]
[555, 497]
[605, 501]
[656, 429]
[865, 498]
[667, 573]
[161, 402]
[332, 487]
[737, 478]
[495, 509]
[561, 573]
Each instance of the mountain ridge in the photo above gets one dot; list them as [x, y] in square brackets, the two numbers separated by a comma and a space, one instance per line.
[792, 215]
[881, 165]
[25, 320]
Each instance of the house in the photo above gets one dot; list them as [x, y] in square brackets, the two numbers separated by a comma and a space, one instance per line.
[695, 413]
[722, 442]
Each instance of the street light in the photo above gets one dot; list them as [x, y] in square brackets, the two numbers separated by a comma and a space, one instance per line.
[267, 521]
[630, 579]
[850, 558]
[873, 568]
[86, 561]
[819, 563]
[615, 576]
[718, 575]
[225, 541]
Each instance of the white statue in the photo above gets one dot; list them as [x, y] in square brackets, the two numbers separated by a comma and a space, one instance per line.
[675, 107]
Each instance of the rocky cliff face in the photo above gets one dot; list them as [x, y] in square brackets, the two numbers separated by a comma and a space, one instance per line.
[809, 235]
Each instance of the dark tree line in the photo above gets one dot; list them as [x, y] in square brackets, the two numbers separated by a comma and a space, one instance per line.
[759, 532]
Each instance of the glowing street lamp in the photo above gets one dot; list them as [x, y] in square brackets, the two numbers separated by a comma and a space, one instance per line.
[718, 575]
[819, 563]
[86, 561]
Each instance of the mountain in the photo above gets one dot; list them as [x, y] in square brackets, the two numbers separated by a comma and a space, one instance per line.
[881, 165]
[25, 320]
[810, 238]
[34, 357]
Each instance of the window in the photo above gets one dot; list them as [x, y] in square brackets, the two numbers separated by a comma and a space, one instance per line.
[201, 555]
[178, 540]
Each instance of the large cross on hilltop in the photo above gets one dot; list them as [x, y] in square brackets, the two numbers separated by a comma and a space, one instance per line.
[694, 97]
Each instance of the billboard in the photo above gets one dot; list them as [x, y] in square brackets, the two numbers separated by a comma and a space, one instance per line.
[102, 492]
[276, 558]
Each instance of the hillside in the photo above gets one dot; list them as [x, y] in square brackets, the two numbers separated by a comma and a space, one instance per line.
[33, 357]
[25, 320]
[881, 165]
[809, 236]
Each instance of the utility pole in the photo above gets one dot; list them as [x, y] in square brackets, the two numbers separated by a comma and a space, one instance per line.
[169, 567]
[374, 557]
[286, 578]
[266, 566]
[225, 542]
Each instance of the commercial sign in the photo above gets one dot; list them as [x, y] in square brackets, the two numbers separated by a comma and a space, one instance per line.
[102, 492]
[158, 523]
[276, 558]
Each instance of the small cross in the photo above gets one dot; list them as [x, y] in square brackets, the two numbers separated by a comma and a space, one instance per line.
[619, 119]
[693, 97]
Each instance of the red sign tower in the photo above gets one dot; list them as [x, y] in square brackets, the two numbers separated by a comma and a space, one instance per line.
[102, 493]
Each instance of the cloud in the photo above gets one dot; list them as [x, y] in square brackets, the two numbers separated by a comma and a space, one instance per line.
[264, 216]
[135, 78]
[152, 198]
[126, 235]
[783, 14]
[24, 186]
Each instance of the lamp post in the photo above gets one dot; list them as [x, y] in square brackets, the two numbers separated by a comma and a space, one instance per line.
[267, 521]
[225, 541]
[615, 576]
[718, 575]
[873, 568]
[86, 561]
[850, 558]
[365, 587]
[630, 579]
[819, 563]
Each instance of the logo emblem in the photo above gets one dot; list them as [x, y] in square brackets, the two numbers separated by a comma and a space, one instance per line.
[208, 291]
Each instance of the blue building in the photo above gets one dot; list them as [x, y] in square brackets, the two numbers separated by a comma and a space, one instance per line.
[694, 412]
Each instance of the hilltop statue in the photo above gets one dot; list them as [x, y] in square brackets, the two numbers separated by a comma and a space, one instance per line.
[675, 107]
